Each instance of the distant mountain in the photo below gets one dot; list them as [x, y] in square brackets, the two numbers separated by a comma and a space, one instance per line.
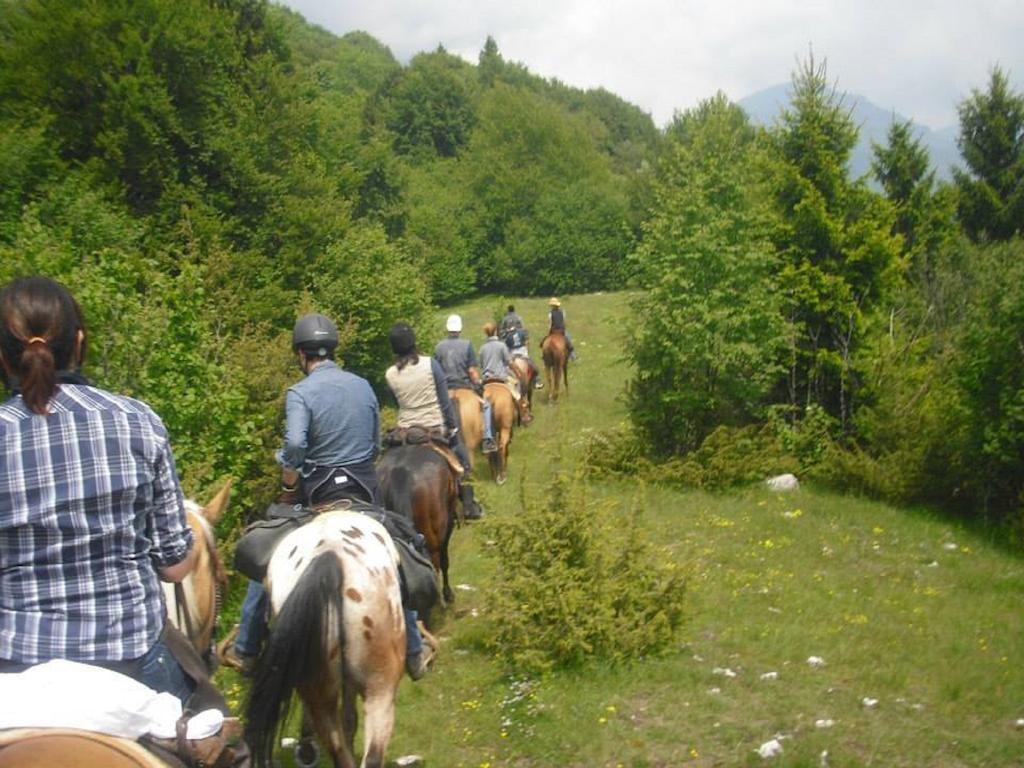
[765, 107]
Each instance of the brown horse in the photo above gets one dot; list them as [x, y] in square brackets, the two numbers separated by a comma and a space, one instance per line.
[503, 415]
[526, 374]
[338, 628]
[556, 363]
[471, 421]
[418, 483]
[48, 747]
[192, 606]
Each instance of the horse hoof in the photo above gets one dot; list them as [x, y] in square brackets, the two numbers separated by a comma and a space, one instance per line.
[501, 480]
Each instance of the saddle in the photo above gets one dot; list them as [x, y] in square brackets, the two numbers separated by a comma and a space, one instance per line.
[416, 572]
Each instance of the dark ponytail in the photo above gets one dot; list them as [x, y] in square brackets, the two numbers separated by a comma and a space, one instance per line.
[39, 326]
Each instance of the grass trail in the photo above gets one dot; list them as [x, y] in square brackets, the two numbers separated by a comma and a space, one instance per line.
[917, 621]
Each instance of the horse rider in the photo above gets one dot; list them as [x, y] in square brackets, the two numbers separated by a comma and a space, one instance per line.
[419, 387]
[92, 515]
[516, 338]
[510, 322]
[458, 361]
[556, 324]
[331, 441]
[495, 359]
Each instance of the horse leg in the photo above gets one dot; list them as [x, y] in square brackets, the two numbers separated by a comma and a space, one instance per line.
[378, 722]
[321, 704]
[446, 590]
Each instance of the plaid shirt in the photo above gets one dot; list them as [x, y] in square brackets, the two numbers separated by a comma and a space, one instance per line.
[90, 506]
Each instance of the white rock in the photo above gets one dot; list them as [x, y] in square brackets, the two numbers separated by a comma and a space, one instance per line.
[770, 676]
[1020, 722]
[723, 671]
[824, 723]
[869, 703]
[950, 546]
[770, 749]
[786, 482]
[714, 691]
[464, 588]
[824, 759]
[815, 661]
[407, 761]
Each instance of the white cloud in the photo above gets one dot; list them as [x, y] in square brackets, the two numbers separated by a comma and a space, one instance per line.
[919, 57]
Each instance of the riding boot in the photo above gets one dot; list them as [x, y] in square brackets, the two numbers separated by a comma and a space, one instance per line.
[470, 506]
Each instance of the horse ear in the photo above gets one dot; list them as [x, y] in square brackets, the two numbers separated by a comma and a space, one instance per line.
[216, 506]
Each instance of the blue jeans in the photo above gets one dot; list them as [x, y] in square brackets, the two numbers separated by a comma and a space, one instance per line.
[413, 639]
[162, 673]
[488, 429]
[252, 625]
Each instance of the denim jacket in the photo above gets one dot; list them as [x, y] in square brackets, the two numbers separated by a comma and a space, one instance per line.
[333, 420]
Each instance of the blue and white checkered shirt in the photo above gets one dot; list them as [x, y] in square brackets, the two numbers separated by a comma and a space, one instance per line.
[90, 507]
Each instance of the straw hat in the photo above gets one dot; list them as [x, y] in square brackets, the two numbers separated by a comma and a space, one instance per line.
[553, 302]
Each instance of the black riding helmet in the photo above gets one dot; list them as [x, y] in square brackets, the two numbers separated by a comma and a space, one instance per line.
[403, 339]
[314, 334]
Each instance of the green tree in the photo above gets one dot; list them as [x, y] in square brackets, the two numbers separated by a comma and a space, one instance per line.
[992, 145]
[429, 106]
[366, 284]
[902, 168]
[839, 256]
[709, 334]
[533, 176]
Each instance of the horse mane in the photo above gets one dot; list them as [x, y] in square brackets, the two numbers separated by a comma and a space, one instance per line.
[295, 647]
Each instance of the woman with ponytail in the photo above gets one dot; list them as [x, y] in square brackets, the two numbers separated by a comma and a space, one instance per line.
[91, 511]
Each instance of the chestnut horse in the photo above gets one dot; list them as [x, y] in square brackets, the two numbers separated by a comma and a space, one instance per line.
[338, 628]
[192, 607]
[471, 420]
[503, 415]
[419, 484]
[526, 375]
[556, 363]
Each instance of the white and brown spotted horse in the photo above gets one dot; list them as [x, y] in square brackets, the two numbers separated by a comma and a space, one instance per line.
[337, 627]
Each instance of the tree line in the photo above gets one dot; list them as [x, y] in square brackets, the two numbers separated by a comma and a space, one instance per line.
[878, 335]
[201, 171]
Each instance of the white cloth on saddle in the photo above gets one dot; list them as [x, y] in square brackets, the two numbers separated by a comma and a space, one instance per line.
[67, 694]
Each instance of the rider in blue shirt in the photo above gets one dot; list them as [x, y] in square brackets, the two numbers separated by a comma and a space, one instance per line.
[331, 440]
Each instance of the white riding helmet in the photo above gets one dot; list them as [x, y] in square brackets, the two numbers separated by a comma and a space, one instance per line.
[454, 324]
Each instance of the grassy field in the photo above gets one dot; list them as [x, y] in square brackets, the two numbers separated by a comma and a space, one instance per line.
[852, 632]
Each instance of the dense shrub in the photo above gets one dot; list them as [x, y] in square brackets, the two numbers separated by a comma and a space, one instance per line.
[580, 582]
[729, 456]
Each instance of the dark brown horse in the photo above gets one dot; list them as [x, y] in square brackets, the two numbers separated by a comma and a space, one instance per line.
[503, 415]
[556, 363]
[418, 483]
[526, 374]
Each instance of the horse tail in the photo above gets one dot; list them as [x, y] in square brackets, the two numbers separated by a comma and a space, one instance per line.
[296, 653]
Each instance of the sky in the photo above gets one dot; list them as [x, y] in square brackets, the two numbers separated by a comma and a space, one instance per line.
[919, 58]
